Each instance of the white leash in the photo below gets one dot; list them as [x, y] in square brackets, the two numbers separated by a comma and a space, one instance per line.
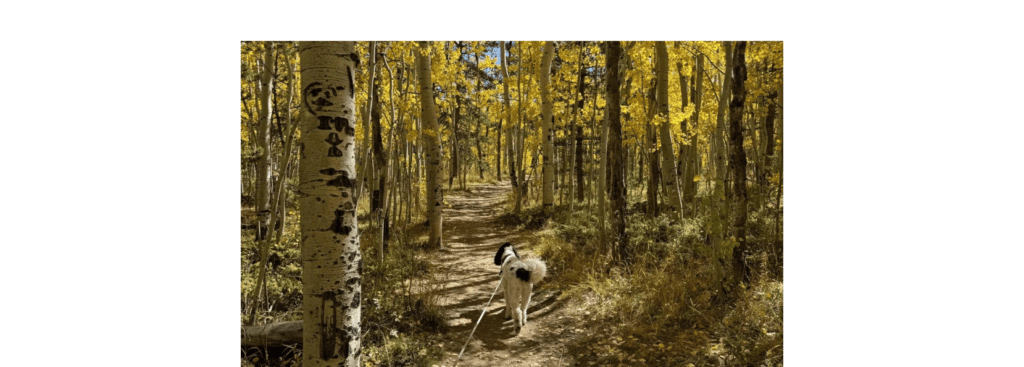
[482, 313]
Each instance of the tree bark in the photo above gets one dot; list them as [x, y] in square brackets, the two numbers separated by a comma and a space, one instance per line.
[769, 129]
[778, 194]
[507, 114]
[432, 140]
[263, 183]
[684, 149]
[379, 157]
[578, 130]
[668, 173]
[331, 260]
[618, 185]
[548, 126]
[720, 205]
[698, 92]
[364, 149]
[738, 162]
[653, 159]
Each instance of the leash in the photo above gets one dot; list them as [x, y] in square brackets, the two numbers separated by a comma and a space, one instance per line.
[484, 312]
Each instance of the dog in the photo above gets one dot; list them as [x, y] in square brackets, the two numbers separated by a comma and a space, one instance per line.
[517, 278]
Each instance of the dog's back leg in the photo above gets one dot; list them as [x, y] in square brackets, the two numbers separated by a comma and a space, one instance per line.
[509, 301]
[526, 300]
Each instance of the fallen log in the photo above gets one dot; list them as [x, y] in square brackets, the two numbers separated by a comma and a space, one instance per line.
[272, 335]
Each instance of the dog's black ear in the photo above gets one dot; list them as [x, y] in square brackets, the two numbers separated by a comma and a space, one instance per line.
[501, 251]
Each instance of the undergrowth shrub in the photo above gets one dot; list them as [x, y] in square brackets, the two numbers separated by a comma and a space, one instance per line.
[401, 297]
[667, 306]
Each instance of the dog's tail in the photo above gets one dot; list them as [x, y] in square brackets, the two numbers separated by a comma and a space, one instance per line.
[537, 270]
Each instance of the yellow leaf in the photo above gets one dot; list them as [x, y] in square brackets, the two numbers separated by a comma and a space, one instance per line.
[697, 178]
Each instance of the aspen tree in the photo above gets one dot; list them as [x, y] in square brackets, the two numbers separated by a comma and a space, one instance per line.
[617, 189]
[263, 178]
[432, 140]
[331, 261]
[668, 174]
[507, 115]
[720, 210]
[738, 162]
[547, 126]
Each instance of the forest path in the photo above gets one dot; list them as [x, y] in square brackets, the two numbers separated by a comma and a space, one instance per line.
[472, 235]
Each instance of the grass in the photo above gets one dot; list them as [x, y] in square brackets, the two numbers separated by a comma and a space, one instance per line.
[667, 307]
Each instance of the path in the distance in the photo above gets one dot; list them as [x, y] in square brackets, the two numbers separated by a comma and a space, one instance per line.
[472, 235]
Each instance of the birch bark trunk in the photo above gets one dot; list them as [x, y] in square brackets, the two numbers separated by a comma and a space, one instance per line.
[548, 126]
[263, 186]
[432, 140]
[720, 205]
[668, 174]
[331, 261]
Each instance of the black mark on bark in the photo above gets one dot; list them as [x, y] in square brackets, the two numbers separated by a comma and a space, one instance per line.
[331, 335]
[341, 181]
[333, 140]
[351, 82]
[338, 225]
[355, 300]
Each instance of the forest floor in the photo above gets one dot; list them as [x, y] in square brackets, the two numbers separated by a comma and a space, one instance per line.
[472, 234]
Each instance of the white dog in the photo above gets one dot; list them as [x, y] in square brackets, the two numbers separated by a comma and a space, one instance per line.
[518, 278]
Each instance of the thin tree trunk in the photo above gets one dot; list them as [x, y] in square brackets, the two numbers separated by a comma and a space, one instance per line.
[507, 114]
[379, 157]
[720, 205]
[769, 129]
[668, 173]
[653, 160]
[263, 183]
[618, 187]
[520, 136]
[698, 89]
[602, 180]
[432, 138]
[778, 195]
[738, 161]
[547, 124]
[331, 260]
[365, 163]
[579, 98]
[683, 167]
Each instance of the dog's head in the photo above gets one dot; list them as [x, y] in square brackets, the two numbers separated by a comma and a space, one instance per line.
[504, 251]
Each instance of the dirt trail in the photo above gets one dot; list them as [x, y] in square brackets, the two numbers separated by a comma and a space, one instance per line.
[472, 235]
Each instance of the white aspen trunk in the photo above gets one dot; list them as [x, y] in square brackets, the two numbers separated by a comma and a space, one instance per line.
[720, 207]
[507, 116]
[364, 150]
[520, 137]
[432, 140]
[698, 93]
[548, 126]
[263, 187]
[331, 261]
[668, 175]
